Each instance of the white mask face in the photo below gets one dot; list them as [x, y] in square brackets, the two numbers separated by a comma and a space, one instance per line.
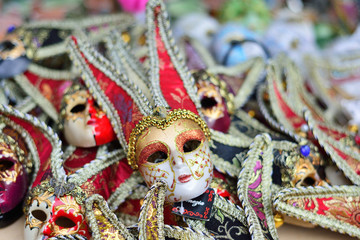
[179, 155]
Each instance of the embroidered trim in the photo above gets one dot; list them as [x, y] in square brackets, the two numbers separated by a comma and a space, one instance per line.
[121, 54]
[280, 204]
[266, 113]
[224, 166]
[172, 50]
[324, 141]
[151, 219]
[231, 140]
[97, 202]
[251, 181]
[36, 96]
[230, 208]
[120, 79]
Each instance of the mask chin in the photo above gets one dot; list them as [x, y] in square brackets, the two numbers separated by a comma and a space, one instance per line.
[12, 67]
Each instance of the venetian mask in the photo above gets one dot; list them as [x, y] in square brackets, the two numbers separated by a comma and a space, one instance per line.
[203, 31]
[13, 176]
[234, 44]
[48, 216]
[179, 155]
[85, 124]
[305, 174]
[12, 56]
[213, 105]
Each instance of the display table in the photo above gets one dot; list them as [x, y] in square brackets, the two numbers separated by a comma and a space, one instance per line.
[286, 232]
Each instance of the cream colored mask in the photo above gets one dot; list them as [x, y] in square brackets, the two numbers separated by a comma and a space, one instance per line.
[179, 155]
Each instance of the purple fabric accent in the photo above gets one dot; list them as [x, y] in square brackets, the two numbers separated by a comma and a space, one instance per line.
[194, 61]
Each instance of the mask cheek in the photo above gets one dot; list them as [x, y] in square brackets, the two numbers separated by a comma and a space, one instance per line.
[199, 162]
[153, 172]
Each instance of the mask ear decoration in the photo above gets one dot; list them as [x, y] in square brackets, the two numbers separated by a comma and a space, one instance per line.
[254, 188]
[103, 222]
[151, 226]
[339, 144]
[117, 95]
[121, 54]
[334, 208]
[47, 142]
[172, 84]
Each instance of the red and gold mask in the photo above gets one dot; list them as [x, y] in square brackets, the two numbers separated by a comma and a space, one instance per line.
[85, 124]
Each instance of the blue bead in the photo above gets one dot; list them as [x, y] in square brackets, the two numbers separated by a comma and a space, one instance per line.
[305, 150]
[11, 29]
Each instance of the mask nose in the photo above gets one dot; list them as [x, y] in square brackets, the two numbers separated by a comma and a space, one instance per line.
[178, 161]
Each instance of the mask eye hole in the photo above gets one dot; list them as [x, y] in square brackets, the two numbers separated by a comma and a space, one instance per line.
[78, 108]
[308, 181]
[5, 165]
[65, 222]
[39, 215]
[208, 102]
[157, 157]
[7, 46]
[191, 145]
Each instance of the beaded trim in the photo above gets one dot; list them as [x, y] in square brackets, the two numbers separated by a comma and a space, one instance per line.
[224, 166]
[296, 89]
[161, 123]
[120, 79]
[116, 20]
[120, 53]
[26, 105]
[97, 201]
[180, 233]
[34, 93]
[125, 190]
[260, 151]
[254, 76]
[266, 113]
[324, 141]
[253, 122]
[280, 204]
[239, 140]
[230, 208]
[173, 51]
